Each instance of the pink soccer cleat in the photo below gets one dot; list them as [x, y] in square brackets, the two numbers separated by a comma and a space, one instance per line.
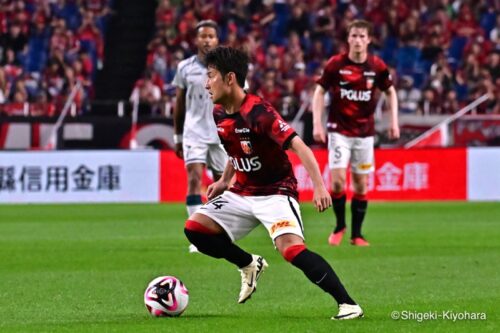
[359, 241]
[336, 237]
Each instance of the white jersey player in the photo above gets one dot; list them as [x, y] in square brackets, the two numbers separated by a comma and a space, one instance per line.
[195, 137]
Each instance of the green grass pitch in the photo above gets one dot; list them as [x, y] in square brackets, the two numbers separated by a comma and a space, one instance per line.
[84, 268]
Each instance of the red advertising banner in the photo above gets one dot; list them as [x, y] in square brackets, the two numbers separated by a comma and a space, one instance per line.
[417, 174]
[173, 178]
[430, 174]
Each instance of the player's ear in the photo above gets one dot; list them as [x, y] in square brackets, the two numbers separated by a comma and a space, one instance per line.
[230, 78]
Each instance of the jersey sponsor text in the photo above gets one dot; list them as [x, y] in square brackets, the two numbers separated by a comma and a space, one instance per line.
[356, 95]
[245, 164]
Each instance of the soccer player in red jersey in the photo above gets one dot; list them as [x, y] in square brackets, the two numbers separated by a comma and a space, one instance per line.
[351, 79]
[255, 137]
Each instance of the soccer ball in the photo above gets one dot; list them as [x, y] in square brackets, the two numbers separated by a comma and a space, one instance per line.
[166, 296]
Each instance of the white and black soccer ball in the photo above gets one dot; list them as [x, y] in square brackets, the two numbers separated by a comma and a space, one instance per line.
[166, 296]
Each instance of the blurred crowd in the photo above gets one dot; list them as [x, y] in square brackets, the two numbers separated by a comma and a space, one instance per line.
[443, 54]
[46, 47]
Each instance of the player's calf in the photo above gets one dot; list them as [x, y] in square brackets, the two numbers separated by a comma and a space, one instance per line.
[216, 245]
[318, 271]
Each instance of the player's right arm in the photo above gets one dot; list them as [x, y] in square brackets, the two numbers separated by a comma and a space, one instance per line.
[392, 98]
[318, 107]
[179, 116]
[222, 184]
[321, 198]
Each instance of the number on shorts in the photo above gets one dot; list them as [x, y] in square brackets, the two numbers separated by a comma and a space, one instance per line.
[338, 152]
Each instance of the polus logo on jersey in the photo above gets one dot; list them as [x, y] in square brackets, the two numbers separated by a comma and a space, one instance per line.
[245, 164]
[356, 95]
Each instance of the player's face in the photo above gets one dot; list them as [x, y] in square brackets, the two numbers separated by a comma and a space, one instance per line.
[215, 85]
[206, 39]
[358, 40]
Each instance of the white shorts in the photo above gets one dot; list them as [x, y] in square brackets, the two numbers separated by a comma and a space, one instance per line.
[358, 151]
[212, 155]
[238, 215]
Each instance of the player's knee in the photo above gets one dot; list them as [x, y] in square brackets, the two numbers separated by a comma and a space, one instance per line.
[292, 251]
[189, 232]
[206, 240]
[360, 184]
[198, 227]
[197, 234]
[360, 188]
[338, 185]
[195, 231]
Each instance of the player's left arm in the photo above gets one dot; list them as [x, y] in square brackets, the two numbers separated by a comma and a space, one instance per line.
[321, 198]
[392, 98]
[218, 187]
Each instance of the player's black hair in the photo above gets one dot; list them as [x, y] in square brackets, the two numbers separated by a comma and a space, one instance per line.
[360, 24]
[228, 59]
[207, 23]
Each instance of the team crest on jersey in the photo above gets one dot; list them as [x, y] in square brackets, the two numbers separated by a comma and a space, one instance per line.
[370, 78]
[369, 82]
[246, 145]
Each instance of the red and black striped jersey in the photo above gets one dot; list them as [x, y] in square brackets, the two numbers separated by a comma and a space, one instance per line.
[352, 89]
[255, 139]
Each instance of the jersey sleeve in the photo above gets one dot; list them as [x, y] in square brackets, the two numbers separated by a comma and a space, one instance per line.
[327, 79]
[179, 80]
[269, 122]
[384, 78]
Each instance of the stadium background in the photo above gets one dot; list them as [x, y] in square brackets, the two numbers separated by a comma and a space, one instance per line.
[86, 117]
[96, 74]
